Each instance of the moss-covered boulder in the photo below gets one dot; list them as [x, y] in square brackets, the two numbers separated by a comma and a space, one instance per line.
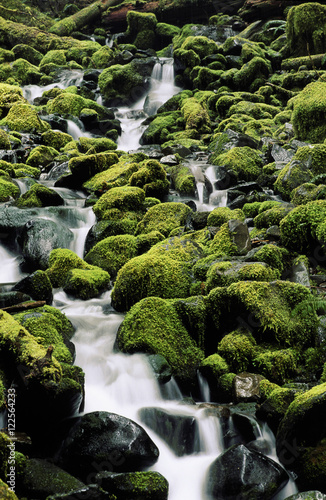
[244, 162]
[225, 273]
[41, 156]
[300, 428]
[24, 118]
[150, 275]
[151, 177]
[145, 485]
[86, 283]
[37, 285]
[162, 127]
[278, 365]
[164, 218]
[123, 198]
[309, 112]
[238, 349]
[153, 326]
[8, 189]
[305, 27]
[117, 175]
[221, 215]
[28, 53]
[69, 103]
[196, 116]
[84, 167]
[231, 239]
[56, 139]
[121, 84]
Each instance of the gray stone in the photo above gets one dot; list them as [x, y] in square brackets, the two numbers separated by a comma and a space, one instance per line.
[246, 387]
[240, 236]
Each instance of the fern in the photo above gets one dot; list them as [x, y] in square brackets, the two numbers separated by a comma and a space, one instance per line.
[310, 306]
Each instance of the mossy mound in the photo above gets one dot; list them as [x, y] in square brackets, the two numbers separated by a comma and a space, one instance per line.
[41, 156]
[164, 218]
[103, 57]
[86, 283]
[4, 140]
[117, 175]
[238, 348]
[68, 103]
[150, 275]
[85, 167]
[121, 83]
[220, 215]
[163, 128]
[113, 252]
[50, 327]
[61, 261]
[153, 326]
[305, 27]
[122, 198]
[24, 118]
[8, 189]
[25, 73]
[180, 249]
[196, 116]
[151, 177]
[309, 112]
[244, 162]
[278, 365]
[56, 139]
[183, 179]
[225, 273]
[39, 196]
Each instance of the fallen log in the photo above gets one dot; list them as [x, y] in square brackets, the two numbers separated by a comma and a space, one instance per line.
[22, 306]
[85, 16]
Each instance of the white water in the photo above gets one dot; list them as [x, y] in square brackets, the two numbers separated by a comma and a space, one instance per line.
[9, 266]
[161, 89]
[67, 78]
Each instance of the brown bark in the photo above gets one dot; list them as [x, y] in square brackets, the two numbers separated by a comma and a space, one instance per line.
[82, 18]
[24, 305]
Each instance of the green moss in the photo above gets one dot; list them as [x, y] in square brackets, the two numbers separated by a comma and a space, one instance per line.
[86, 166]
[61, 261]
[277, 365]
[54, 56]
[24, 118]
[271, 305]
[153, 326]
[103, 57]
[68, 103]
[39, 196]
[118, 81]
[8, 189]
[4, 455]
[307, 192]
[4, 140]
[222, 244]
[41, 156]
[56, 139]
[123, 198]
[98, 145]
[150, 275]
[245, 162]
[202, 266]
[220, 215]
[299, 227]
[25, 73]
[272, 216]
[225, 273]
[113, 252]
[82, 51]
[215, 364]
[256, 110]
[180, 249]
[196, 116]
[238, 349]
[116, 175]
[49, 327]
[273, 255]
[151, 177]
[309, 113]
[164, 218]
[266, 388]
[86, 283]
[161, 127]
[252, 74]
[140, 21]
[305, 27]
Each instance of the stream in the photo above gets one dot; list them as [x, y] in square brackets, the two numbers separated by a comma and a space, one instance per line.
[120, 383]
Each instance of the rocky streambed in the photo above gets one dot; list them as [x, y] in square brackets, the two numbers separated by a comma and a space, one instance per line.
[162, 256]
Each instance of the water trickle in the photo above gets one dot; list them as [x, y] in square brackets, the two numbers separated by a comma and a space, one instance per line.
[76, 129]
[66, 79]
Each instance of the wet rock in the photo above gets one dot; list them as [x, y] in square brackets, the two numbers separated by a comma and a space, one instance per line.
[41, 479]
[273, 233]
[106, 441]
[169, 160]
[161, 367]
[37, 285]
[245, 427]
[39, 237]
[177, 149]
[240, 236]
[246, 387]
[180, 432]
[299, 274]
[307, 495]
[273, 409]
[240, 474]
[134, 485]
[280, 154]
[11, 298]
[89, 492]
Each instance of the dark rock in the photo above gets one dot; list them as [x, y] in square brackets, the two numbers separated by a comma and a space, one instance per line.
[273, 233]
[245, 427]
[177, 149]
[280, 154]
[246, 387]
[180, 432]
[134, 485]
[307, 495]
[240, 236]
[241, 474]
[161, 367]
[11, 298]
[42, 478]
[199, 220]
[89, 492]
[56, 122]
[299, 274]
[39, 237]
[101, 441]
[37, 285]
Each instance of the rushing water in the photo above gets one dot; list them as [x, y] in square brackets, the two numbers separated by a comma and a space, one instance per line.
[121, 383]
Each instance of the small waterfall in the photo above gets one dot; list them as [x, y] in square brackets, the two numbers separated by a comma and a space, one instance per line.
[76, 129]
[9, 269]
[66, 79]
[161, 89]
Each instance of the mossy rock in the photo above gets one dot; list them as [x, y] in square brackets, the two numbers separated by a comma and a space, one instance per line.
[231, 239]
[113, 252]
[151, 177]
[8, 189]
[161, 127]
[28, 53]
[24, 118]
[122, 198]
[37, 285]
[275, 406]
[272, 216]
[150, 275]
[103, 57]
[118, 83]
[85, 167]
[213, 367]
[5, 492]
[144, 485]
[6, 56]
[117, 175]
[225, 273]
[244, 162]
[96, 144]
[220, 215]
[309, 113]
[39, 196]
[164, 218]
[86, 283]
[57, 57]
[68, 103]
[25, 73]
[307, 192]
[268, 308]
[252, 75]
[41, 156]
[140, 21]
[56, 139]
[196, 116]
[50, 327]
[183, 179]
[278, 366]
[305, 27]
[299, 229]
[238, 348]
[274, 256]
[153, 326]
[4, 140]
[61, 261]
[179, 249]
[201, 45]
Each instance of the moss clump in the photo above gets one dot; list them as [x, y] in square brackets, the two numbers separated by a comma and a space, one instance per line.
[151, 177]
[271, 305]
[220, 215]
[116, 175]
[225, 273]
[25, 73]
[222, 244]
[103, 57]
[61, 261]
[243, 161]
[87, 283]
[279, 366]
[305, 27]
[273, 255]
[180, 249]
[153, 326]
[57, 57]
[41, 156]
[299, 228]
[150, 275]
[49, 327]
[272, 216]
[183, 179]
[67, 103]
[163, 128]
[308, 192]
[86, 166]
[119, 81]
[164, 218]
[56, 139]
[252, 75]
[4, 140]
[238, 348]
[123, 198]
[24, 118]
[309, 113]
[113, 252]
[8, 189]
[196, 116]
[215, 365]
[266, 388]
[39, 196]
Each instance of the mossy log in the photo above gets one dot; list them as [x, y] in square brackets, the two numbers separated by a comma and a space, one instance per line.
[85, 16]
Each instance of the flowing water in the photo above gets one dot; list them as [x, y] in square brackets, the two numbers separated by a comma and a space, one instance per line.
[121, 383]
